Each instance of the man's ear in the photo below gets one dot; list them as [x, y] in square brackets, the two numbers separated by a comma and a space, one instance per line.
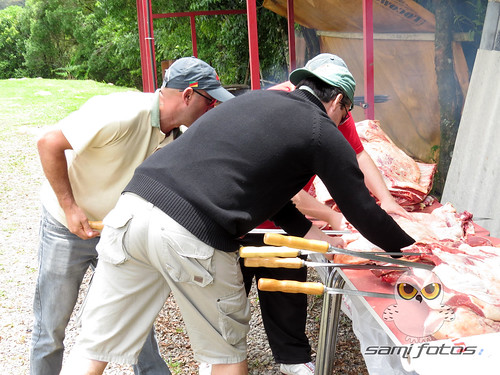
[187, 94]
[333, 102]
[338, 98]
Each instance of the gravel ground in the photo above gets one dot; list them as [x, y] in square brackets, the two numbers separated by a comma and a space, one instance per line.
[21, 177]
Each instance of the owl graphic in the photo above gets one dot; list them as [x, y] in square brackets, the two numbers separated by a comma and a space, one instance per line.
[418, 311]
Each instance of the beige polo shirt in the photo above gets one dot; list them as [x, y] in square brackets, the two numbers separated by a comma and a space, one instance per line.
[110, 136]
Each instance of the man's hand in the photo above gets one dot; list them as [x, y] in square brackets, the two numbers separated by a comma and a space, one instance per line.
[391, 207]
[51, 148]
[316, 234]
[78, 223]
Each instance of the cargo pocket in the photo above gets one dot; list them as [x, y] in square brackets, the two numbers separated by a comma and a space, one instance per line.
[234, 317]
[188, 262]
[110, 247]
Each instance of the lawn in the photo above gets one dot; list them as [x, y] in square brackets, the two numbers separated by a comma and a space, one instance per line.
[39, 102]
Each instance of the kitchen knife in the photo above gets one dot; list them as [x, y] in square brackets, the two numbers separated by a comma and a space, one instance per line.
[324, 247]
[299, 263]
[291, 286]
[287, 252]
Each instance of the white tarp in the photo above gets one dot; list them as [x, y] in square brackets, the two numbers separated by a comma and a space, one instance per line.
[474, 176]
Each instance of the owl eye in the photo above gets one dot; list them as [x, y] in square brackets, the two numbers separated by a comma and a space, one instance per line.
[406, 291]
[431, 291]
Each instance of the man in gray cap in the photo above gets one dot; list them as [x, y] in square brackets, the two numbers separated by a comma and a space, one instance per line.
[88, 159]
[178, 225]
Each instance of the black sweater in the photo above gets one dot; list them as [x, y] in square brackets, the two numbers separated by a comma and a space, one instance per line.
[241, 163]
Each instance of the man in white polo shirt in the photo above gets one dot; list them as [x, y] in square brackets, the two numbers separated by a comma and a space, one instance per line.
[88, 159]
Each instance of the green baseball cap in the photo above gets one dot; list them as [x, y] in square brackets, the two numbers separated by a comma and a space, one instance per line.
[329, 68]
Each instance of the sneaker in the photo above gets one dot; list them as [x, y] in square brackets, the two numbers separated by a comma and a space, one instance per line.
[298, 369]
[205, 369]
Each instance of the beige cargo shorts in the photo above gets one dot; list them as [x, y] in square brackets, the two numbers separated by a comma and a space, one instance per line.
[143, 256]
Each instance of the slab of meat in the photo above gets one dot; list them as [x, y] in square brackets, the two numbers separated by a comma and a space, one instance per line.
[444, 223]
[408, 181]
[468, 269]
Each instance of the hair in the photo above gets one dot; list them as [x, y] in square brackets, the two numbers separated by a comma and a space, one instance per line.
[325, 91]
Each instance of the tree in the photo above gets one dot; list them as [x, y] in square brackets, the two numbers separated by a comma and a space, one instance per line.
[449, 92]
[50, 44]
[11, 42]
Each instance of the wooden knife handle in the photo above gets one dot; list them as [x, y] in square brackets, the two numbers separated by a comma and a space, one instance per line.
[289, 286]
[267, 251]
[274, 262]
[276, 239]
[96, 225]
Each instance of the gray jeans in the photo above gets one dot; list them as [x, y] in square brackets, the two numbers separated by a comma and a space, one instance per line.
[63, 261]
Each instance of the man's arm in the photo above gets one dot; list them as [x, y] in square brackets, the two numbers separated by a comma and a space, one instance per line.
[375, 183]
[310, 206]
[315, 233]
[51, 147]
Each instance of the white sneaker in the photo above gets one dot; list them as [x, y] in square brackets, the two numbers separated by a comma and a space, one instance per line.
[298, 369]
[205, 369]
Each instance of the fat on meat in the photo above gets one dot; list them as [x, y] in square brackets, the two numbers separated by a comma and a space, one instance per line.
[466, 323]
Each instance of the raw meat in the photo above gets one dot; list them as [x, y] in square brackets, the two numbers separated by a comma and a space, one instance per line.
[444, 223]
[469, 274]
[466, 323]
[408, 181]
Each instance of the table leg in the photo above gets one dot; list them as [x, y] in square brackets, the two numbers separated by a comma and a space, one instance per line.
[327, 341]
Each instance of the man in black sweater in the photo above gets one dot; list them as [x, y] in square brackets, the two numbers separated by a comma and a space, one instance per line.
[177, 226]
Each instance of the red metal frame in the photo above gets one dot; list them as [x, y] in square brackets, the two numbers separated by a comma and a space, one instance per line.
[146, 44]
[291, 34]
[194, 43]
[192, 20]
[253, 44]
[368, 52]
[148, 62]
[145, 19]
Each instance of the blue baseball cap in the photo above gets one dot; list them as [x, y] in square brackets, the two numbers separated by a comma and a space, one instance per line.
[193, 72]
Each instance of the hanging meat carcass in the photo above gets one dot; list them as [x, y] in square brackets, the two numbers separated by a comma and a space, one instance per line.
[408, 181]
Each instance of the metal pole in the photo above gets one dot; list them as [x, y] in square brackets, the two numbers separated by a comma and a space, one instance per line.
[146, 45]
[253, 44]
[328, 331]
[368, 51]
[291, 35]
[193, 36]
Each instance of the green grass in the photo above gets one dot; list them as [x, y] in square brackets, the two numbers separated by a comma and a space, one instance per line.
[39, 102]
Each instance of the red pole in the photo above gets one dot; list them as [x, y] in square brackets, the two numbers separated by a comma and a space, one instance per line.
[146, 45]
[193, 36]
[291, 34]
[253, 44]
[368, 51]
